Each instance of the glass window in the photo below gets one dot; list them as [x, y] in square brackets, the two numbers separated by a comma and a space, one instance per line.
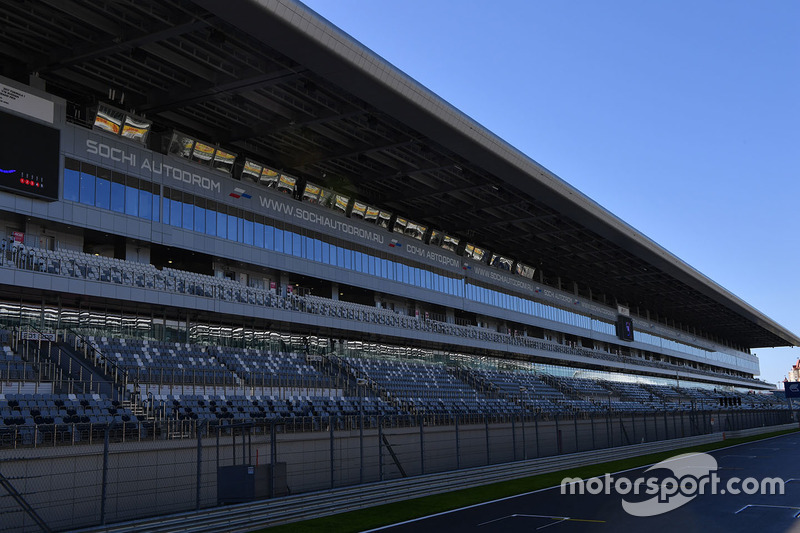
[232, 226]
[156, 200]
[166, 207]
[131, 201]
[240, 229]
[317, 250]
[188, 215]
[258, 234]
[72, 185]
[287, 242]
[248, 232]
[308, 247]
[326, 252]
[103, 192]
[278, 240]
[145, 204]
[175, 210]
[87, 188]
[222, 225]
[211, 222]
[269, 237]
[199, 219]
[118, 198]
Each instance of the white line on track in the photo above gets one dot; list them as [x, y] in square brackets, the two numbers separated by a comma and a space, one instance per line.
[536, 491]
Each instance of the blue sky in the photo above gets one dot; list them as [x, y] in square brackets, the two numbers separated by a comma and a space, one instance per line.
[682, 118]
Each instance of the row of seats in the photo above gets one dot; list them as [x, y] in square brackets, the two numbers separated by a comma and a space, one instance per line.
[94, 267]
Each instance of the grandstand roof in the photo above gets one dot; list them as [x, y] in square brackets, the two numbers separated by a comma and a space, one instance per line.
[272, 79]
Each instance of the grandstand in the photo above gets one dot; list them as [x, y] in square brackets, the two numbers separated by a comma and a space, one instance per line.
[208, 228]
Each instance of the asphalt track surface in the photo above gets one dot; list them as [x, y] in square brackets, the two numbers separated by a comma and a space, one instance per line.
[550, 511]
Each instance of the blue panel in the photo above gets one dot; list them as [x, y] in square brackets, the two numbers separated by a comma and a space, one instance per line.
[199, 219]
[166, 210]
[297, 245]
[118, 198]
[258, 234]
[232, 225]
[87, 189]
[72, 185]
[248, 232]
[156, 200]
[222, 225]
[145, 205]
[131, 201]
[211, 222]
[103, 193]
[175, 208]
[188, 215]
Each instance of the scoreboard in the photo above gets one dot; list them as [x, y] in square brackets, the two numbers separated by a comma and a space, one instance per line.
[29, 157]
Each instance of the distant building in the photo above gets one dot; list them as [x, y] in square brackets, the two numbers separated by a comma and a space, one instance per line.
[794, 373]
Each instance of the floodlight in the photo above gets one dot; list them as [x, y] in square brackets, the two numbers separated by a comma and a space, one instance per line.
[202, 153]
[136, 129]
[287, 184]
[400, 225]
[311, 193]
[181, 145]
[251, 170]
[359, 210]
[341, 203]
[371, 214]
[269, 177]
[223, 160]
[450, 243]
[474, 252]
[109, 119]
[383, 219]
[501, 262]
[524, 270]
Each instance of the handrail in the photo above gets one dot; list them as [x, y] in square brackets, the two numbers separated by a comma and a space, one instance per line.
[99, 360]
[147, 276]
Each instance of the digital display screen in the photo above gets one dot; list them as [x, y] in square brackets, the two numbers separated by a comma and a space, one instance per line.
[625, 328]
[29, 156]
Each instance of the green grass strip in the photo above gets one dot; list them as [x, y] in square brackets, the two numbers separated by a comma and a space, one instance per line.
[392, 513]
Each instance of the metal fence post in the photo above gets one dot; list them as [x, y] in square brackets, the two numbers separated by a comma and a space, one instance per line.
[513, 438]
[273, 456]
[199, 463]
[105, 478]
[380, 448]
[331, 421]
[421, 446]
[361, 449]
[575, 421]
[486, 423]
[458, 446]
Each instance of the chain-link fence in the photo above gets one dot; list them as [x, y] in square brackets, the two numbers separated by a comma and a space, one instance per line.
[103, 474]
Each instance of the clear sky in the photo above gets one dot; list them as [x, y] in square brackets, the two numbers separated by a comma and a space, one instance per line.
[682, 118]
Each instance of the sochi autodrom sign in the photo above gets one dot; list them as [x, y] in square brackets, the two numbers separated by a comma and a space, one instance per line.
[672, 483]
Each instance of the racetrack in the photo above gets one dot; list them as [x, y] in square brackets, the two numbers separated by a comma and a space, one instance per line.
[548, 509]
